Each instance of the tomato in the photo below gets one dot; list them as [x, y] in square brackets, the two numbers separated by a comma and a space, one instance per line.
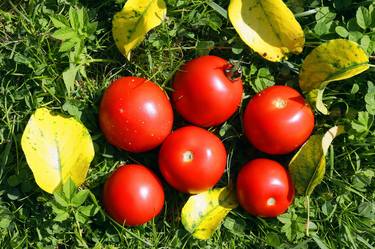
[278, 120]
[264, 188]
[192, 159]
[204, 93]
[135, 114]
[133, 195]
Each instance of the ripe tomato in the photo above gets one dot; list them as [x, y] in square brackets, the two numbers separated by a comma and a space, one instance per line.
[133, 195]
[204, 93]
[264, 188]
[135, 114]
[192, 159]
[278, 120]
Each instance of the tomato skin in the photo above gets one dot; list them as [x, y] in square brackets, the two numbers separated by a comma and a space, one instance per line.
[192, 159]
[135, 114]
[203, 94]
[260, 183]
[278, 120]
[133, 195]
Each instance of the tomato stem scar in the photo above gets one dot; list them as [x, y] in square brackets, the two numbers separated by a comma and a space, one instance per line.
[188, 156]
[271, 201]
[279, 103]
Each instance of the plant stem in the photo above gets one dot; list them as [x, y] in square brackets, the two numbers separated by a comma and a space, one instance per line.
[308, 215]
[307, 13]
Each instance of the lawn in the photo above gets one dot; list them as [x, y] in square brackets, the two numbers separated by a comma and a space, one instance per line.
[41, 68]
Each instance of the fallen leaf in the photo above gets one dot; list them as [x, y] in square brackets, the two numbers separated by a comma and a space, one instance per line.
[204, 212]
[131, 24]
[334, 60]
[315, 98]
[56, 148]
[268, 27]
[308, 165]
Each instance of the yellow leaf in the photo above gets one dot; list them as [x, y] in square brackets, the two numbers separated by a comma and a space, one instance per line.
[307, 167]
[315, 98]
[56, 148]
[130, 25]
[334, 60]
[267, 26]
[204, 212]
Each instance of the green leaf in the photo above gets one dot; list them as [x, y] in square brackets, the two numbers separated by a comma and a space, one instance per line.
[367, 209]
[73, 18]
[61, 217]
[341, 31]
[334, 60]
[293, 226]
[130, 25]
[365, 42]
[324, 15]
[264, 79]
[89, 210]
[218, 9]
[69, 77]
[355, 36]
[361, 125]
[56, 148]
[268, 27]
[59, 21]
[81, 18]
[363, 18]
[5, 221]
[69, 44]
[322, 28]
[273, 239]
[204, 212]
[69, 189]
[319, 242]
[80, 198]
[324, 21]
[235, 226]
[64, 34]
[59, 198]
[72, 110]
[370, 98]
[307, 167]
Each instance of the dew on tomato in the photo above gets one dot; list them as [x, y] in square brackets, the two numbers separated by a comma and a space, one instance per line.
[135, 114]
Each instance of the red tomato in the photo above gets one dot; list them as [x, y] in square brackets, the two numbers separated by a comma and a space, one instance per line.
[278, 120]
[204, 94]
[133, 195]
[264, 188]
[192, 159]
[135, 114]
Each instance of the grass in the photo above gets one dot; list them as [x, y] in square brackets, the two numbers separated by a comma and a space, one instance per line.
[32, 65]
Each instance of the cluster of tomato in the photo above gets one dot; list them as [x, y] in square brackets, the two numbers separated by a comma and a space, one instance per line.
[136, 115]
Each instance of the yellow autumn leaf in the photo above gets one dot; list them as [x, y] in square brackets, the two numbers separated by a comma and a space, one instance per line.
[131, 24]
[315, 98]
[334, 60]
[56, 148]
[268, 27]
[308, 165]
[204, 212]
